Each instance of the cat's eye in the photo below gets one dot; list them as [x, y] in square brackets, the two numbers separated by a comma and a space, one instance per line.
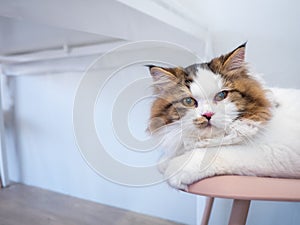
[189, 102]
[221, 96]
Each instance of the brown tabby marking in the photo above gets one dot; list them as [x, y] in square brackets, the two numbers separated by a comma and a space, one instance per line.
[248, 94]
[167, 108]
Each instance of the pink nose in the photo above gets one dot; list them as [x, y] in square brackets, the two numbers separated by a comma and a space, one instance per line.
[208, 115]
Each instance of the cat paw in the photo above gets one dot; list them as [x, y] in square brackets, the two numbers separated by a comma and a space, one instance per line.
[181, 173]
[191, 167]
[180, 181]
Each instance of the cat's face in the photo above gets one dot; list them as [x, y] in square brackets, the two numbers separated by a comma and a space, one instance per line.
[206, 98]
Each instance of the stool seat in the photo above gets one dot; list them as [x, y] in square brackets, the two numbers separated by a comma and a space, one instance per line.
[248, 188]
[243, 189]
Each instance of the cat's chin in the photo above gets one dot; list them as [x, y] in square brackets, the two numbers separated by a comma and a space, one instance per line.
[202, 137]
[208, 125]
[210, 131]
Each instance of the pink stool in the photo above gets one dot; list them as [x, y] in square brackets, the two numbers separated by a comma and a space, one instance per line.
[243, 189]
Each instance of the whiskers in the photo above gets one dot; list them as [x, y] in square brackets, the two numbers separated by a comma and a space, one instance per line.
[183, 135]
[247, 131]
[173, 138]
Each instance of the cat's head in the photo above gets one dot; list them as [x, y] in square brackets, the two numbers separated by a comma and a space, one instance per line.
[208, 96]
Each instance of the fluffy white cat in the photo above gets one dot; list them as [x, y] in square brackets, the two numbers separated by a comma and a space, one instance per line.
[217, 119]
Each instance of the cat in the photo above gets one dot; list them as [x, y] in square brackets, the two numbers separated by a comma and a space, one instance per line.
[217, 118]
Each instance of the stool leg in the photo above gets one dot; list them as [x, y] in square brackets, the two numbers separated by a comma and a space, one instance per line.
[207, 210]
[239, 212]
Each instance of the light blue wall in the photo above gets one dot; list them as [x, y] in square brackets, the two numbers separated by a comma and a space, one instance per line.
[47, 155]
[260, 213]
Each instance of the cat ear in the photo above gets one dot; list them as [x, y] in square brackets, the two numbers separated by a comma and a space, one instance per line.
[236, 58]
[163, 78]
[159, 72]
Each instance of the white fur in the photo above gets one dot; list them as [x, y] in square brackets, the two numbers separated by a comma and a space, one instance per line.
[239, 147]
[223, 131]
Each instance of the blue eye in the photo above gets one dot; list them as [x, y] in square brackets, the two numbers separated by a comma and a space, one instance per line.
[189, 102]
[221, 96]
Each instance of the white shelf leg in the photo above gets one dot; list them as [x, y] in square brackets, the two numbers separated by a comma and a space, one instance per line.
[3, 158]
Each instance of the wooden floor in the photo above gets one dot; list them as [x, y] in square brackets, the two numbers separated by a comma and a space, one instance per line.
[24, 205]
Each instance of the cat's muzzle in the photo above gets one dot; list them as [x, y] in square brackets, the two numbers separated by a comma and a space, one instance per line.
[201, 122]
